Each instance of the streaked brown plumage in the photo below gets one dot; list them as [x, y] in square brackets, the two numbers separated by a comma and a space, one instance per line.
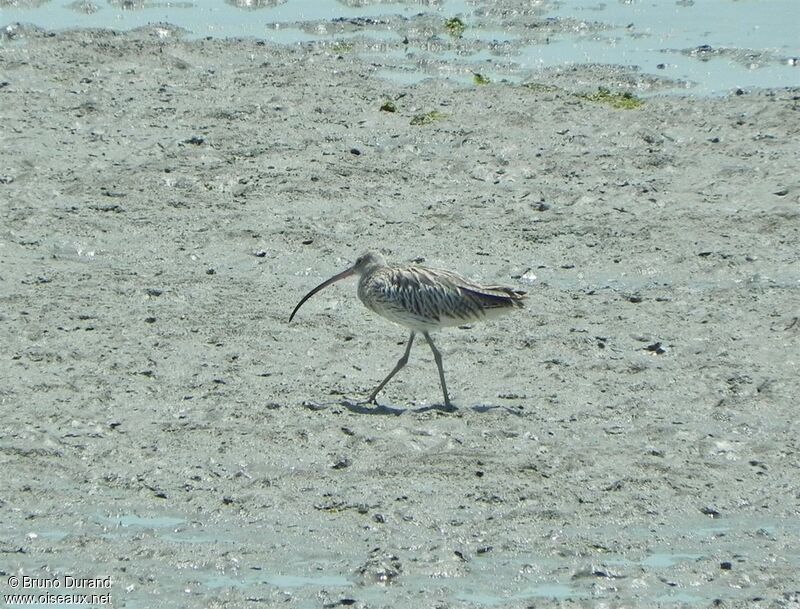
[421, 299]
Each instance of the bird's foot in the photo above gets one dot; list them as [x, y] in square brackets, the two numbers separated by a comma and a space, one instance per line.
[449, 407]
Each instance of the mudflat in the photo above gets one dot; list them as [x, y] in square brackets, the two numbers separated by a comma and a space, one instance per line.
[629, 439]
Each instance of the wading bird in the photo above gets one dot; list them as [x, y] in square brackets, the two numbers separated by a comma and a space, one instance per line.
[421, 299]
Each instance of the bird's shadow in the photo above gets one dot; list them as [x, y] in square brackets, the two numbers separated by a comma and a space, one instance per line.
[369, 408]
[380, 409]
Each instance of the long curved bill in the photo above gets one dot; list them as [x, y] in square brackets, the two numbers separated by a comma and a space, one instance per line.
[322, 286]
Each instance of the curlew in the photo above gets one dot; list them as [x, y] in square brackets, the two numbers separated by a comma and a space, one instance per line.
[423, 300]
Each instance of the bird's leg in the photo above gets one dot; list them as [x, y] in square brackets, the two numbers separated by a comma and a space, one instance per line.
[438, 358]
[400, 363]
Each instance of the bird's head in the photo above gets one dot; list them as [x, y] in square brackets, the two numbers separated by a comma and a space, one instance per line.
[366, 261]
[363, 264]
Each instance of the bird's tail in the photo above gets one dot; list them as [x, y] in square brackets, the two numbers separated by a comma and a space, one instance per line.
[497, 297]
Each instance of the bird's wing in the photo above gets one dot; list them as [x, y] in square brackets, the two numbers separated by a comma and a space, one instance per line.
[488, 296]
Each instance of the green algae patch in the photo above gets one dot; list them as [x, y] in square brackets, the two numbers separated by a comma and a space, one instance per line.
[341, 47]
[540, 87]
[455, 27]
[623, 101]
[427, 118]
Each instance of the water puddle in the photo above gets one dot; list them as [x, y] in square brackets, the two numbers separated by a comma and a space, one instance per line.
[550, 591]
[155, 522]
[682, 597]
[216, 581]
[298, 581]
[665, 561]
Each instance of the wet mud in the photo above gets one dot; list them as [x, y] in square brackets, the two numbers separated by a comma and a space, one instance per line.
[628, 439]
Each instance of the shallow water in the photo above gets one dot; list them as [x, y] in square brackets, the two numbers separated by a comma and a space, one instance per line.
[707, 48]
[489, 579]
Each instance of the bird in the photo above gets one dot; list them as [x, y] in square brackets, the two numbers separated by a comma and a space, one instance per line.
[422, 299]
